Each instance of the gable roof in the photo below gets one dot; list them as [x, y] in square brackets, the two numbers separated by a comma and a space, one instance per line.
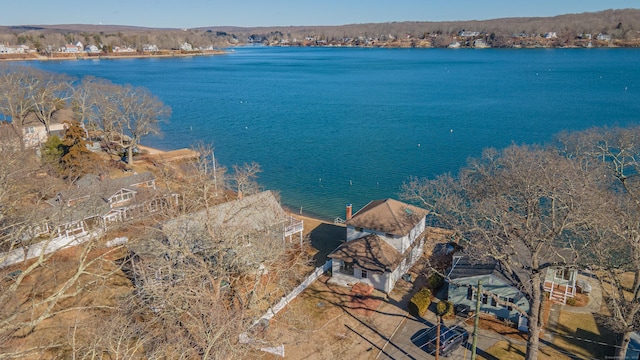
[58, 117]
[388, 216]
[463, 267]
[370, 253]
[250, 214]
[91, 185]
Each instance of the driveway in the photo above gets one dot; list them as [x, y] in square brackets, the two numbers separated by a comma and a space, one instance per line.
[407, 342]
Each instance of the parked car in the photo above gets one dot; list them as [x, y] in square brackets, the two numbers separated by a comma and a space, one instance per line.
[450, 339]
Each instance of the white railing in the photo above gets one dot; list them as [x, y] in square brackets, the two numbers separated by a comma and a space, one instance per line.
[44, 247]
[292, 295]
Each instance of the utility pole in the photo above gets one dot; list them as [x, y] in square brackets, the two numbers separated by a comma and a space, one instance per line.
[438, 337]
[476, 322]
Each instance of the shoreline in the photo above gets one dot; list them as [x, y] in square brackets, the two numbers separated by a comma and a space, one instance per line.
[112, 56]
[181, 154]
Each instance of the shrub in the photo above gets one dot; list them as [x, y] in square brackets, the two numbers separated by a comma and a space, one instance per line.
[435, 281]
[420, 302]
[571, 301]
[444, 308]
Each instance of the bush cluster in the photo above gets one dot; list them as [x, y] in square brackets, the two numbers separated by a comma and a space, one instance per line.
[444, 308]
[420, 302]
[435, 281]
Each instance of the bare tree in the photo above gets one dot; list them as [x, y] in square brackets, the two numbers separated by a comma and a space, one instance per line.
[141, 114]
[517, 206]
[50, 93]
[15, 100]
[244, 177]
[614, 243]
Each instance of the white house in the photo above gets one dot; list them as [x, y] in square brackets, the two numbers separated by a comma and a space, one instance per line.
[150, 48]
[384, 239]
[92, 49]
[71, 48]
[35, 132]
[603, 37]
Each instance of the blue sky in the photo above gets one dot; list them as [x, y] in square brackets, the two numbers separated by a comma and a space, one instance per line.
[198, 13]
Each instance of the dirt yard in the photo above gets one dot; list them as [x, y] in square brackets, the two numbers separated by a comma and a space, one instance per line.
[328, 321]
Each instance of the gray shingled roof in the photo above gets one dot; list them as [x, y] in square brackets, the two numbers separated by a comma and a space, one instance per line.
[388, 216]
[371, 253]
[90, 195]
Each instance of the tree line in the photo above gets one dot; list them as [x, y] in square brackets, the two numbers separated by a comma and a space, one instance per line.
[622, 25]
[573, 203]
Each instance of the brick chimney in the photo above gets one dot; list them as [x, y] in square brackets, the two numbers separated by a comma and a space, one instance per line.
[349, 211]
[240, 195]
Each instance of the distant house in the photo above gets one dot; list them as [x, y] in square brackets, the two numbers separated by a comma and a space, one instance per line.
[150, 48]
[185, 46]
[603, 37]
[92, 49]
[96, 202]
[384, 239]
[17, 49]
[71, 48]
[463, 278]
[35, 132]
[126, 49]
[551, 35]
[465, 33]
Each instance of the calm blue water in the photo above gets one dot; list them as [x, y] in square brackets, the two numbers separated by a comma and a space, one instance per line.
[335, 126]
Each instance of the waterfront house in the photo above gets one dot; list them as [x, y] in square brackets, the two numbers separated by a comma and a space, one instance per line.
[96, 202]
[463, 277]
[92, 49]
[383, 240]
[248, 232]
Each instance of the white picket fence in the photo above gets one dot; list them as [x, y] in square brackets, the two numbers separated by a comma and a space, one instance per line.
[44, 247]
[292, 295]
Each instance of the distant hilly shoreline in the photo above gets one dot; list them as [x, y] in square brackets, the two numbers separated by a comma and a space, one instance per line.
[618, 28]
[627, 14]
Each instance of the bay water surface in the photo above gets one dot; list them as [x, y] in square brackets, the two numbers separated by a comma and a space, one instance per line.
[332, 126]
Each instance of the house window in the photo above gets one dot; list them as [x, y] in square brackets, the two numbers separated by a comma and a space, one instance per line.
[471, 294]
[494, 302]
[363, 273]
[485, 299]
[359, 229]
[511, 301]
[346, 268]
[31, 130]
[563, 274]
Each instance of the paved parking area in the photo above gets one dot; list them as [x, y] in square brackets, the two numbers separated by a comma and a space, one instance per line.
[407, 340]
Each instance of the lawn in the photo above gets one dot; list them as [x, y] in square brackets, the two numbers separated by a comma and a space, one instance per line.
[580, 334]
